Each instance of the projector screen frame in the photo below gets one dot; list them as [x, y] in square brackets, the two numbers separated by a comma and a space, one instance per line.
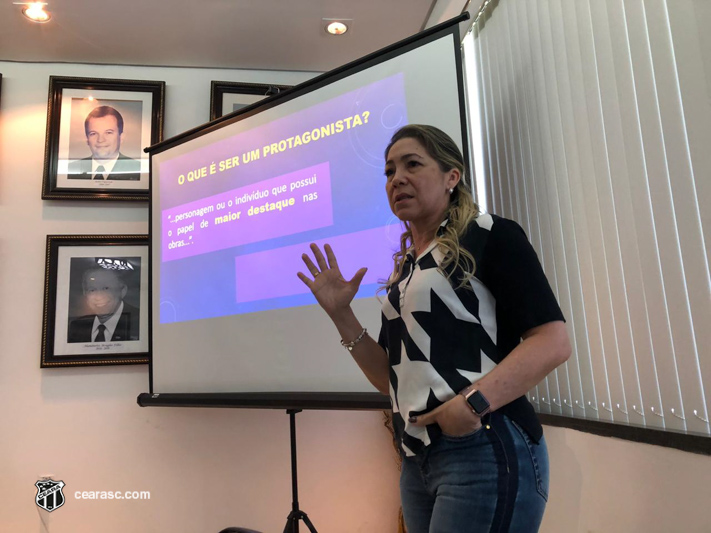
[295, 400]
[271, 400]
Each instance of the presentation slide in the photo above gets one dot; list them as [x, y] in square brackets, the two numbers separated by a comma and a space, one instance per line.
[237, 215]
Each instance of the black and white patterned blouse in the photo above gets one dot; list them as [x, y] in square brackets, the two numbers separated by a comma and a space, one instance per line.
[440, 339]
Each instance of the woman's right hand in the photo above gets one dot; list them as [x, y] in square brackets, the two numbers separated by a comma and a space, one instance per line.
[331, 290]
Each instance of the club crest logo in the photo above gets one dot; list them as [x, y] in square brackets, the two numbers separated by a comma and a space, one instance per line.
[49, 494]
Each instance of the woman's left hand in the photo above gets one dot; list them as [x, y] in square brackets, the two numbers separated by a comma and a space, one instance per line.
[454, 417]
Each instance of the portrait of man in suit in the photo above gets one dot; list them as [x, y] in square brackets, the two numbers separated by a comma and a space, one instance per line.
[108, 318]
[104, 127]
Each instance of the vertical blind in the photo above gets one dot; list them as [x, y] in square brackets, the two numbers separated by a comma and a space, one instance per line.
[591, 127]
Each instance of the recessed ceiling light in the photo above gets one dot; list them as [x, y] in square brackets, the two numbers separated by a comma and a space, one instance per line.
[35, 11]
[336, 28]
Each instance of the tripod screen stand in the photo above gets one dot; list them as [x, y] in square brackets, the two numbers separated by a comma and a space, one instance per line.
[296, 514]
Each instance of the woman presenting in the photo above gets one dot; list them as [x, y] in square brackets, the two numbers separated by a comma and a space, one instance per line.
[469, 325]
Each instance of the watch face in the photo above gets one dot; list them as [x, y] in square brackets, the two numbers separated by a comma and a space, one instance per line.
[478, 402]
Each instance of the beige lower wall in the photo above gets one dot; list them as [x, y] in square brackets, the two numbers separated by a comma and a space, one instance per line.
[607, 485]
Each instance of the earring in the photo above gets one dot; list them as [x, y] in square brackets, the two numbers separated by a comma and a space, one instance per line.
[451, 191]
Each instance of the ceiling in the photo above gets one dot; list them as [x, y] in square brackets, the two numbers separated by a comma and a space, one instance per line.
[248, 34]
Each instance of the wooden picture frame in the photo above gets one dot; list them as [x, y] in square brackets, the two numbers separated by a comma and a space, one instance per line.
[95, 301]
[96, 132]
[228, 96]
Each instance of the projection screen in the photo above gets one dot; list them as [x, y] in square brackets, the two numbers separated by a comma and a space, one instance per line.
[236, 202]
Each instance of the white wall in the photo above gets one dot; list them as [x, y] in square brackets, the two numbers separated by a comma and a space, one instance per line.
[206, 469]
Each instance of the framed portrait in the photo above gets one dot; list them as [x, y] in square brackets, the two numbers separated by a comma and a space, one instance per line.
[228, 96]
[96, 132]
[95, 301]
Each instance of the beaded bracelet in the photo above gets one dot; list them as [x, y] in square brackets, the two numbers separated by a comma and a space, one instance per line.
[350, 345]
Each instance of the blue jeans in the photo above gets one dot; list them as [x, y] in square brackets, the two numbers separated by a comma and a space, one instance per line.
[494, 479]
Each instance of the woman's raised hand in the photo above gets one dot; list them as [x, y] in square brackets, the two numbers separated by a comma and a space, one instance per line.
[331, 290]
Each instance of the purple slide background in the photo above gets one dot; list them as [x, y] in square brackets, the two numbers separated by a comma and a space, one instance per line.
[299, 217]
[369, 248]
[204, 285]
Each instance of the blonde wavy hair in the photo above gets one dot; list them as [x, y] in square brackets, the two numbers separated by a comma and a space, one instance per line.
[461, 211]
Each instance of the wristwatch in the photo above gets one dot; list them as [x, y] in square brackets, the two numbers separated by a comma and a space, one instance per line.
[477, 401]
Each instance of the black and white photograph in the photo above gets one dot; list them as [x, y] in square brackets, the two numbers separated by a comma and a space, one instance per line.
[96, 300]
[228, 96]
[96, 134]
[104, 299]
